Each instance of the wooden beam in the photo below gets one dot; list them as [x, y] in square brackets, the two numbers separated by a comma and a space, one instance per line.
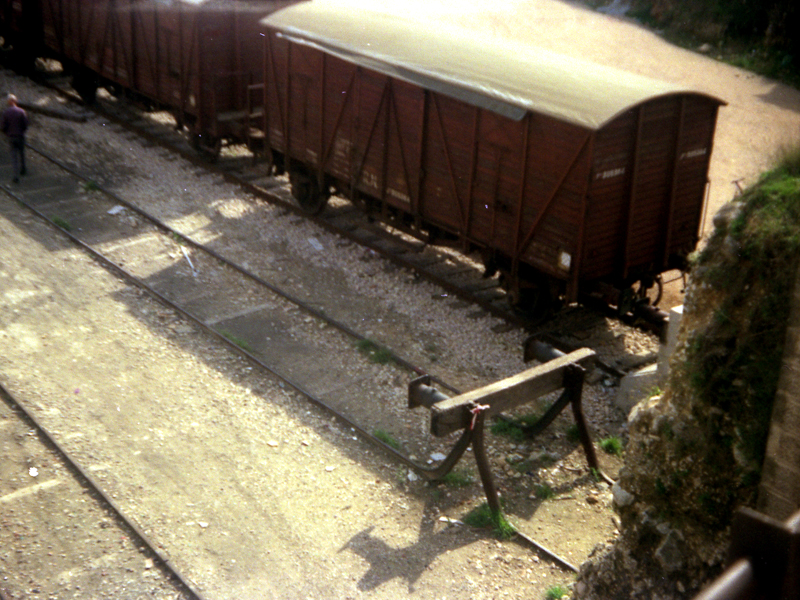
[454, 413]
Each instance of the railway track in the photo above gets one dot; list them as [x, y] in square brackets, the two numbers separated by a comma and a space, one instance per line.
[208, 289]
[195, 267]
[110, 544]
[104, 224]
[456, 274]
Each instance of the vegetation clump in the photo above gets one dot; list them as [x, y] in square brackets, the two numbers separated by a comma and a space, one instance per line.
[723, 386]
[735, 362]
[482, 517]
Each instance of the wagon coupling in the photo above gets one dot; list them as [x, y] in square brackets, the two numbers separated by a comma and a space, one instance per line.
[468, 412]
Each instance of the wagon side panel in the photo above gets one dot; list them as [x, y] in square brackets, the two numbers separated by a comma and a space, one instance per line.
[230, 51]
[404, 121]
[648, 186]
[373, 92]
[495, 178]
[691, 180]
[276, 84]
[653, 186]
[145, 40]
[304, 103]
[553, 212]
[68, 28]
[447, 160]
[607, 214]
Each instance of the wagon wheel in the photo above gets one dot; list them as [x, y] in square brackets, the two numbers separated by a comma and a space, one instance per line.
[207, 145]
[535, 301]
[85, 83]
[653, 292]
[306, 191]
[19, 59]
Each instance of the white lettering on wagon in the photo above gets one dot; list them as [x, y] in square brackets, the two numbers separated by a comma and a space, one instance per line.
[694, 153]
[609, 173]
[399, 195]
[369, 179]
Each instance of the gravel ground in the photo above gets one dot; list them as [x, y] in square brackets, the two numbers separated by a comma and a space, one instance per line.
[86, 551]
[146, 400]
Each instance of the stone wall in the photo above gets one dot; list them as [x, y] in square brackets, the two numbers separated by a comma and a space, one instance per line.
[779, 491]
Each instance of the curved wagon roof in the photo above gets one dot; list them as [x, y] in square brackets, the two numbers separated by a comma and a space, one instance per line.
[506, 77]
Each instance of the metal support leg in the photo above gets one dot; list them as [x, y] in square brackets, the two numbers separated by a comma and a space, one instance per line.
[485, 471]
[573, 382]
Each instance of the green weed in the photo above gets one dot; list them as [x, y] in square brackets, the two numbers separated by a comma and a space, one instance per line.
[387, 439]
[458, 479]
[243, 344]
[374, 352]
[612, 445]
[58, 221]
[482, 518]
[573, 433]
[514, 429]
[555, 593]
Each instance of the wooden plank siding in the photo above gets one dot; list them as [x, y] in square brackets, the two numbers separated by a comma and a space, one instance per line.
[197, 60]
[648, 187]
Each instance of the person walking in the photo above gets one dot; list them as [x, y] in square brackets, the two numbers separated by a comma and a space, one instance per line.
[14, 123]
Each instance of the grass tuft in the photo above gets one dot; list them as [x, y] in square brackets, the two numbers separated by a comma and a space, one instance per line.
[612, 445]
[555, 593]
[58, 221]
[374, 352]
[387, 438]
[243, 344]
[483, 518]
[544, 491]
[458, 479]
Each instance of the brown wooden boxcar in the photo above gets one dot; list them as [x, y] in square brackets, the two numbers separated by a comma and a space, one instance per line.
[195, 57]
[568, 177]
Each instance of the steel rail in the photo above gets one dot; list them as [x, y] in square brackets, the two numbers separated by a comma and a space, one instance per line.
[89, 483]
[426, 472]
[515, 319]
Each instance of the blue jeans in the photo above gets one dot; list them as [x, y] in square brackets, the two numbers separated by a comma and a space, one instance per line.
[18, 155]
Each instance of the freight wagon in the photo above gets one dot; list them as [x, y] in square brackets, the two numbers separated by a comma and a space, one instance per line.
[569, 178]
[194, 57]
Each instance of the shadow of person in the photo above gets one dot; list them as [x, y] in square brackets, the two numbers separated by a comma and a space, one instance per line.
[409, 563]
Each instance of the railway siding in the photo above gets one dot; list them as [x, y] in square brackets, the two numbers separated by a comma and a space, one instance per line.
[216, 461]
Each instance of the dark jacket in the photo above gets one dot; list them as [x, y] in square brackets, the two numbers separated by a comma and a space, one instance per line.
[14, 122]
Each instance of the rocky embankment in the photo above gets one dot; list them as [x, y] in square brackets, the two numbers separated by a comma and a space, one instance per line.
[695, 452]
